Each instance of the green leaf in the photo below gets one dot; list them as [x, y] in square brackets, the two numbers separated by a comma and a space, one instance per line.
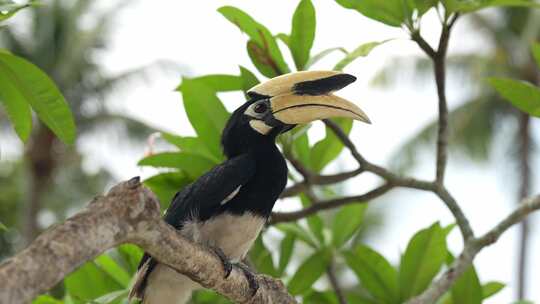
[3, 227]
[108, 265]
[261, 61]
[114, 297]
[327, 149]
[219, 82]
[89, 274]
[321, 297]
[165, 186]
[315, 222]
[301, 149]
[23, 83]
[390, 12]
[448, 229]
[298, 232]
[302, 33]
[346, 223]
[193, 164]
[284, 38]
[535, 49]
[46, 299]
[286, 250]
[261, 258]
[205, 112]
[355, 298]
[259, 35]
[17, 110]
[361, 51]
[424, 5]
[208, 297]
[422, 260]
[317, 57]
[309, 272]
[249, 80]
[522, 95]
[10, 8]
[467, 288]
[131, 255]
[375, 273]
[491, 288]
[191, 145]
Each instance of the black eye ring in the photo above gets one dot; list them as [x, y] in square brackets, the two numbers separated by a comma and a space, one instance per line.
[260, 108]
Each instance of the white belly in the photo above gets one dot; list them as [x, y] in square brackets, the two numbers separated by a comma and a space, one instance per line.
[233, 234]
[165, 285]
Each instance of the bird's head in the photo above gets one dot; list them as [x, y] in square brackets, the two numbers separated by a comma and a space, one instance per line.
[279, 104]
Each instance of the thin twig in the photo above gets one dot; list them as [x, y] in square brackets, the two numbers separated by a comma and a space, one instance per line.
[453, 206]
[319, 180]
[330, 271]
[279, 217]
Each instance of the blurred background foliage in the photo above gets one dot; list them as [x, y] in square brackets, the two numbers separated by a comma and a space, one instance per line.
[49, 182]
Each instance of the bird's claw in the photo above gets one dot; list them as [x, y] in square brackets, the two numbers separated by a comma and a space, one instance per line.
[227, 265]
[252, 281]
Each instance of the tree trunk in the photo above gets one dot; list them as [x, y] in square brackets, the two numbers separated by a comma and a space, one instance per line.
[41, 164]
[524, 139]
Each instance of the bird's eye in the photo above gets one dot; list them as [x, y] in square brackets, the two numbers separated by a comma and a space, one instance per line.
[260, 108]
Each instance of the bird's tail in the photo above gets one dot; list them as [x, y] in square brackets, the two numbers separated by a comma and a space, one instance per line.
[157, 283]
[141, 279]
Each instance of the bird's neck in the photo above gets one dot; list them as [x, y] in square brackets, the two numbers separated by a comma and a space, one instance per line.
[261, 193]
[271, 176]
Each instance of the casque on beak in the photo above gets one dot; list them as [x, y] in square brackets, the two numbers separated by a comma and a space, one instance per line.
[302, 97]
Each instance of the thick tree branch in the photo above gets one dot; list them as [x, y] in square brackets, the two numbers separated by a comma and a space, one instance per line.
[129, 213]
[472, 247]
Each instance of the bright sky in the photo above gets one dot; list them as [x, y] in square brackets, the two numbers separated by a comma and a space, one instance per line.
[193, 34]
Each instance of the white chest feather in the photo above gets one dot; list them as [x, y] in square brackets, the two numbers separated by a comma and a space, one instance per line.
[233, 234]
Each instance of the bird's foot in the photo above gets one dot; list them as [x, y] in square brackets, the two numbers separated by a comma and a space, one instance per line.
[252, 281]
[227, 265]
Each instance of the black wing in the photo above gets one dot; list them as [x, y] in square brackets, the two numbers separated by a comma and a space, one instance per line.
[199, 198]
[206, 194]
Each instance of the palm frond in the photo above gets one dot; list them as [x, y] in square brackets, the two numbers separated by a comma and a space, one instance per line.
[418, 69]
[472, 130]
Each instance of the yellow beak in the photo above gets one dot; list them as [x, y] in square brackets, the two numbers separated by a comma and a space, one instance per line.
[301, 109]
[302, 97]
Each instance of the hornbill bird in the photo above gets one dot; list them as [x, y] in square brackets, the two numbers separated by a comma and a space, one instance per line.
[227, 207]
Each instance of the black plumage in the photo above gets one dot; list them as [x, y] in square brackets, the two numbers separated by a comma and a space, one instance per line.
[254, 164]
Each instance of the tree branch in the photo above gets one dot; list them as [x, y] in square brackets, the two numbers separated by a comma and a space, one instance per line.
[472, 247]
[365, 165]
[320, 180]
[279, 217]
[335, 283]
[453, 206]
[129, 213]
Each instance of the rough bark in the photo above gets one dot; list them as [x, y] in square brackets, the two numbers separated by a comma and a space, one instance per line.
[129, 213]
